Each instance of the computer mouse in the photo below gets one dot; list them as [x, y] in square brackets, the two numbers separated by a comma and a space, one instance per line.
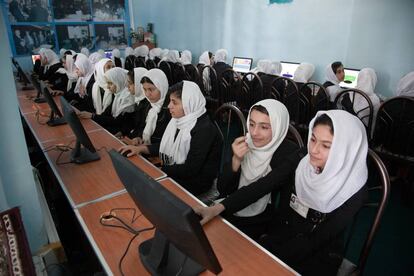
[125, 153]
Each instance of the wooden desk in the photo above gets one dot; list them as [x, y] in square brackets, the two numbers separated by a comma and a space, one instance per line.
[237, 254]
[91, 181]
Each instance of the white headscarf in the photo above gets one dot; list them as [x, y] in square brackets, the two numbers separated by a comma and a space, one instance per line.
[102, 52]
[304, 72]
[85, 51]
[221, 55]
[186, 57]
[405, 86]
[367, 80]
[256, 162]
[129, 51]
[173, 56]
[50, 55]
[159, 79]
[174, 150]
[335, 89]
[155, 52]
[86, 68]
[95, 57]
[261, 65]
[70, 71]
[345, 171]
[164, 53]
[275, 68]
[116, 53]
[100, 82]
[204, 58]
[123, 101]
[139, 72]
[142, 51]
[62, 52]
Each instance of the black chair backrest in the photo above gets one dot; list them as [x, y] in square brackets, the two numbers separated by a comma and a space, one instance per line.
[150, 64]
[294, 136]
[357, 103]
[287, 92]
[313, 98]
[192, 74]
[178, 72]
[229, 86]
[269, 91]
[379, 190]
[231, 124]
[129, 62]
[251, 92]
[139, 62]
[166, 68]
[394, 129]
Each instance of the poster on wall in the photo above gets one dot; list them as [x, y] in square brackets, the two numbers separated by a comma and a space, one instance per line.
[74, 37]
[110, 36]
[72, 10]
[28, 10]
[108, 10]
[28, 39]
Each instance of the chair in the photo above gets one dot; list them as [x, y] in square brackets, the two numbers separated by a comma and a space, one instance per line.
[294, 136]
[394, 130]
[251, 91]
[139, 62]
[378, 181]
[231, 124]
[150, 64]
[229, 86]
[286, 91]
[210, 87]
[178, 72]
[357, 103]
[129, 63]
[192, 74]
[166, 68]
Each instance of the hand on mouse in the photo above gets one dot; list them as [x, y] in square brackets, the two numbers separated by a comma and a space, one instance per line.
[133, 150]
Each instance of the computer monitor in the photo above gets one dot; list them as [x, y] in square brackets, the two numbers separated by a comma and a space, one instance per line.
[288, 69]
[351, 78]
[108, 54]
[242, 65]
[179, 246]
[56, 118]
[80, 154]
[34, 58]
[22, 76]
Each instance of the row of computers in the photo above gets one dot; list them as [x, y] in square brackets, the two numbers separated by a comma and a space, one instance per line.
[179, 245]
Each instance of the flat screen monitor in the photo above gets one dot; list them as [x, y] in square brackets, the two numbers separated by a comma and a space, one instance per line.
[179, 246]
[108, 54]
[242, 65]
[34, 58]
[22, 76]
[288, 69]
[84, 150]
[56, 117]
[351, 78]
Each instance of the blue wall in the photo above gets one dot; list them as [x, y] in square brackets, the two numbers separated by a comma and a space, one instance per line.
[363, 33]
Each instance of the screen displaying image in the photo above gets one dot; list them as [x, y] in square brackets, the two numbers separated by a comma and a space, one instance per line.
[288, 69]
[71, 10]
[108, 10]
[74, 37]
[28, 10]
[242, 65]
[110, 36]
[108, 54]
[351, 78]
[28, 39]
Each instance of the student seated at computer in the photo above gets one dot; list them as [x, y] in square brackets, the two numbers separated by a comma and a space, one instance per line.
[81, 95]
[116, 58]
[268, 71]
[102, 97]
[334, 75]
[177, 70]
[405, 86]
[220, 63]
[367, 80]
[186, 57]
[155, 55]
[129, 59]
[141, 55]
[69, 70]
[303, 73]
[119, 112]
[263, 161]
[51, 63]
[190, 146]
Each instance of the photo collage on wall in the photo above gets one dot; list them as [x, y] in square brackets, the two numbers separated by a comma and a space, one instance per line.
[69, 24]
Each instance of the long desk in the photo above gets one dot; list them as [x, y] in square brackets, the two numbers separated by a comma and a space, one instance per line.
[94, 188]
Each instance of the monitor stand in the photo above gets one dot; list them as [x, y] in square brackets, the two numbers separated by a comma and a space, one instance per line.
[160, 257]
[81, 155]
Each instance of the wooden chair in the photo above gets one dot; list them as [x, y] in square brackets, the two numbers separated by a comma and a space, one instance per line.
[379, 189]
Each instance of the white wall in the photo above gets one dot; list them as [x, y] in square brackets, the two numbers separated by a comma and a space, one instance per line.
[360, 33]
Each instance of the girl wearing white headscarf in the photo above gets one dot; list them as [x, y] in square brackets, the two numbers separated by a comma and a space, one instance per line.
[190, 146]
[51, 64]
[124, 101]
[85, 51]
[205, 59]
[405, 86]
[83, 88]
[329, 190]
[142, 51]
[155, 54]
[69, 70]
[95, 57]
[263, 161]
[128, 51]
[334, 75]
[304, 72]
[186, 57]
[220, 64]
[367, 80]
[173, 56]
[62, 52]
[221, 55]
[116, 58]
[101, 96]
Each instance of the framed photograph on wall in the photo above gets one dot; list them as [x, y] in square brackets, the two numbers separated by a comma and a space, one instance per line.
[108, 10]
[28, 10]
[74, 37]
[72, 10]
[110, 36]
[28, 39]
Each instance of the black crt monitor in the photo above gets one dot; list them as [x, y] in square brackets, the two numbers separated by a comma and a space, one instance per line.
[242, 64]
[22, 76]
[288, 69]
[350, 79]
[84, 150]
[56, 118]
[179, 245]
